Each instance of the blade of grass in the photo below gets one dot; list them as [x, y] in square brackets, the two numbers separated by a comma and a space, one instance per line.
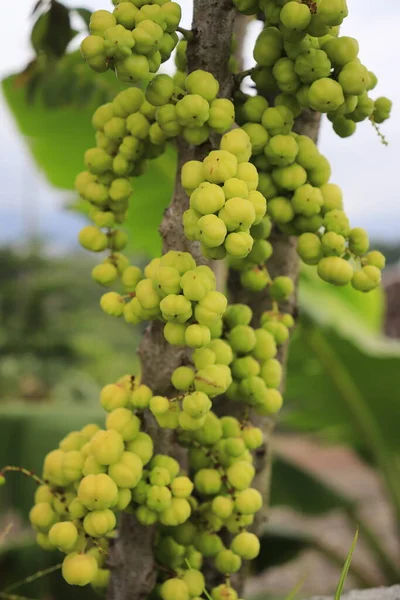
[292, 595]
[346, 568]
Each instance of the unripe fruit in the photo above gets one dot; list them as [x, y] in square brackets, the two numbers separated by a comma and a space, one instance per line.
[295, 16]
[358, 241]
[219, 166]
[107, 446]
[367, 279]
[223, 592]
[248, 501]
[325, 95]
[97, 492]
[240, 475]
[182, 378]
[376, 259]
[112, 304]
[142, 446]
[92, 238]
[239, 244]
[202, 83]
[227, 562]
[192, 175]
[99, 522]
[222, 115]
[309, 248]
[113, 396]
[335, 270]
[196, 405]
[181, 487]
[207, 198]
[42, 516]
[160, 90]
[79, 569]
[237, 142]
[246, 545]
[195, 581]
[174, 589]
[127, 471]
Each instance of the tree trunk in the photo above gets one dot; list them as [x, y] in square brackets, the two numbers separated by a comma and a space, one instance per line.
[131, 561]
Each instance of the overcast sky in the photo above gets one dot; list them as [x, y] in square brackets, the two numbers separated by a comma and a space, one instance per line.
[366, 170]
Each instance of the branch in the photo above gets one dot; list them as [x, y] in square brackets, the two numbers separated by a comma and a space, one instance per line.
[133, 568]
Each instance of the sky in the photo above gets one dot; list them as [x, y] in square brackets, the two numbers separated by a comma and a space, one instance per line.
[366, 170]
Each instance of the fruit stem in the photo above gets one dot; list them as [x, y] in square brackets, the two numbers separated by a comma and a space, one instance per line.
[240, 76]
[379, 133]
[187, 33]
[26, 472]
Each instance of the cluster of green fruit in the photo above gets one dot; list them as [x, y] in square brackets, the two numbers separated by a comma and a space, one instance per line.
[191, 110]
[224, 201]
[301, 59]
[295, 180]
[95, 473]
[134, 40]
[256, 372]
[263, 176]
[174, 290]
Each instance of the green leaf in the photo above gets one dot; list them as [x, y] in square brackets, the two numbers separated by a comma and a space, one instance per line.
[301, 490]
[349, 311]
[372, 363]
[351, 398]
[58, 139]
[39, 32]
[152, 194]
[346, 568]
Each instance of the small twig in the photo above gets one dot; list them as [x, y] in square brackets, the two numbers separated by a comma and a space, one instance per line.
[25, 472]
[32, 578]
[5, 533]
[187, 33]
[242, 75]
[379, 132]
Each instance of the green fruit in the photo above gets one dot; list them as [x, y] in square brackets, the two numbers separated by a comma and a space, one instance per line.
[238, 143]
[335, 270]
[281, 150]
[202, 83]
[222, 115]
[332, 12]
[333, 197]
[369, 278]
[174, 589]
[376, 259]
[341, 50]
[160, 90]
[325, 95]
[309, 248]
[354, 78]
[246, 545]
[79, 569]
[227, 562]
[295, 16]
[358, 241]
[268, 47]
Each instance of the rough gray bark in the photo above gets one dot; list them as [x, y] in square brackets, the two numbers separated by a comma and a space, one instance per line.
[131, 561]
[392, 593]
